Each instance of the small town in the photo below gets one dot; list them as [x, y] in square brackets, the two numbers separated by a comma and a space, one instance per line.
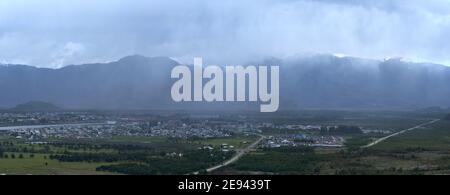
[36, 127]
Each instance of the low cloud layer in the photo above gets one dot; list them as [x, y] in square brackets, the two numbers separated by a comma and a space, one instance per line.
[52, 33]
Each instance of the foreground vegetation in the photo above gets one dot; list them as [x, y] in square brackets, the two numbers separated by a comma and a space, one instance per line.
[422, 151]
[115, 156]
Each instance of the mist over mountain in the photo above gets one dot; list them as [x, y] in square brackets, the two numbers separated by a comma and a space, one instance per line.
[132, 82]
[331, 82]
[319, 82]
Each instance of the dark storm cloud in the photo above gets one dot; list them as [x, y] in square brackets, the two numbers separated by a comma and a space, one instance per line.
[54, 33]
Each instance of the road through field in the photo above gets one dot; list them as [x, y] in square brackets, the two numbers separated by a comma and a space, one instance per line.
[237, 156]
[398, 133]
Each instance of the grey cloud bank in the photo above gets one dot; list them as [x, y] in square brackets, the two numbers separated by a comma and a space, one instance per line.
[51, 33]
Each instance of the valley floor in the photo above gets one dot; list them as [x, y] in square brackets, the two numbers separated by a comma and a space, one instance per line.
[393, 143]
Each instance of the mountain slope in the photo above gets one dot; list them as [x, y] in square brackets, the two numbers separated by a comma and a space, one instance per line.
[132, 82]
[35, 106]
[321, 81]
[331, 82]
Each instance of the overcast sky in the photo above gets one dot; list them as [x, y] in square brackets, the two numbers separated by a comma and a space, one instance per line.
[54, 33]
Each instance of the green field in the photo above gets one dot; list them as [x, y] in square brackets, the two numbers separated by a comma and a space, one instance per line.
[236, 141]
[137, 139]
[38, 165]
[426, 150]
[421, 151]
[119, 155]
[435, 137]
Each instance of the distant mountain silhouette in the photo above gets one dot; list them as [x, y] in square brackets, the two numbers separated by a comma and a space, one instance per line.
[36, 106]
[319, 82]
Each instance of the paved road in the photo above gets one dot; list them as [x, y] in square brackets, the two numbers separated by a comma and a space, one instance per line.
[398, 133]
[237, 156]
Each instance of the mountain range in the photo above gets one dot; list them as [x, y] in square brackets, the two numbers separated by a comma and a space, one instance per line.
[306, 82]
